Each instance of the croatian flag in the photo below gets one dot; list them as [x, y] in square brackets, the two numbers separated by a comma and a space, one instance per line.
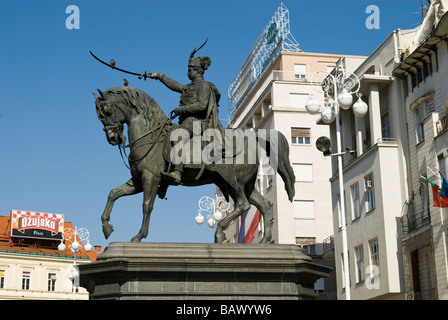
[248, 225]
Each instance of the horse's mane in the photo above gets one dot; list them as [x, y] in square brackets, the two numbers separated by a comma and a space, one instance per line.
[142, 102]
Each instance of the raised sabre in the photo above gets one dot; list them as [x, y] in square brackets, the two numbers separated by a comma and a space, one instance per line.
[140, 75]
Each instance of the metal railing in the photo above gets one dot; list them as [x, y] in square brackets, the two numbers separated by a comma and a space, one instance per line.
[328, 245]
[414, 221]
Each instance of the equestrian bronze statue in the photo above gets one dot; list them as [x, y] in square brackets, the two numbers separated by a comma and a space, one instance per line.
[195, 152]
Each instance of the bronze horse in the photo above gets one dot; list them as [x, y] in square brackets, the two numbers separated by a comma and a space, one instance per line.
[148, 134]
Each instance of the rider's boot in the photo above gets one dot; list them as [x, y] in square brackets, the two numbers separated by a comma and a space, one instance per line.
[175, 176]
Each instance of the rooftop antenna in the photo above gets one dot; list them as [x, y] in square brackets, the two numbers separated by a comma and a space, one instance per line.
[423, 10]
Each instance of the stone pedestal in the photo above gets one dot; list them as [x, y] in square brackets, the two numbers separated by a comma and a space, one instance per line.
[201, 271]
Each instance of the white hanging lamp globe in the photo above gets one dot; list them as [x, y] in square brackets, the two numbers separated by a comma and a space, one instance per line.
[199, 218]
[61, 246]
[75, 246]
[312, 106]
[345, 99]
[211, 222]
[217, 216]
[360, 108]
[88, 246]
[328, 115]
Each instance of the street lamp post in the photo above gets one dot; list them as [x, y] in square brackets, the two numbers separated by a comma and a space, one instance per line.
[72, 236]
[338, 89]
[213, 208]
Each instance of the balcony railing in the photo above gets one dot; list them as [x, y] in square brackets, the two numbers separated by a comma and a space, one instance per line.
[328, 245]
[414, 221]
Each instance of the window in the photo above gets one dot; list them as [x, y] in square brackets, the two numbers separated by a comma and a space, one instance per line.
[300, 71]
[339, 210]
[356, 204]
[385, 126]
[308, 244]
[359, 255]
[413, 80]
[427, 68]
[2, 279]
[374, 252]
[301, 136]
[442, 162]
[26, 280]
[420, 114]
[270, 181]
[424, 192]
[51, 282]
[343, 270]
[370, 192]
[303, 209]
[303, 172]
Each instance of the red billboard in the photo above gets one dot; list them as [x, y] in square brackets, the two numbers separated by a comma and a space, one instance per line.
[28, 224]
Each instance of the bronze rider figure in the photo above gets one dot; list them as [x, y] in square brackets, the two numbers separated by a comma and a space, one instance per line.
[198, 102]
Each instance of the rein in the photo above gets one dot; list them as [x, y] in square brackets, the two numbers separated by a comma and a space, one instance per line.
[160, 128]
[116, 125]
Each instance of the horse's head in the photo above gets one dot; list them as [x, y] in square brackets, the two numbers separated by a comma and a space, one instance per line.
[112, 116]
[120, 105]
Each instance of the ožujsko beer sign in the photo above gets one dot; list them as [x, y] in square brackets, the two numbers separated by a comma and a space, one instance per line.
[27, 224]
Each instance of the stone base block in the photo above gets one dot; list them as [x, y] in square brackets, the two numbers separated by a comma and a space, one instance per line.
[201, 271]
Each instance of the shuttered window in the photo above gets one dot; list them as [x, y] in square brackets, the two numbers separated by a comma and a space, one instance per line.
[300, 136]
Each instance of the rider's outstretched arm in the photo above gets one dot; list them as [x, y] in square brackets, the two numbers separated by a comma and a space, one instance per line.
[168, 82]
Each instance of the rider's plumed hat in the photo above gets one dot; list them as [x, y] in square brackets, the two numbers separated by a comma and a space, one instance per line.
[200, 62]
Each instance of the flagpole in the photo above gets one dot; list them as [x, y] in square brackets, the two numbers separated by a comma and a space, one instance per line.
[432, 171]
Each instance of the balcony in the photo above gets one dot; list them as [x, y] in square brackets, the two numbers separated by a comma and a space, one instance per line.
[328, 248]
[414, 221]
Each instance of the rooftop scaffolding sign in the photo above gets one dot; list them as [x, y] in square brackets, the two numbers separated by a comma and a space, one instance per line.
[275, 38]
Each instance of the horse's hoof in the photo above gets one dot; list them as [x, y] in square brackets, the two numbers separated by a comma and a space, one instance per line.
[136, 239]
[220, 239]
[107, 230]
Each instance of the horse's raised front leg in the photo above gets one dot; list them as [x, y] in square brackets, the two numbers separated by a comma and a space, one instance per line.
[150, 184]
[126, 189]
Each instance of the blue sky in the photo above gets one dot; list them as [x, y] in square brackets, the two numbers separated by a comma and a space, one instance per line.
[54, 155]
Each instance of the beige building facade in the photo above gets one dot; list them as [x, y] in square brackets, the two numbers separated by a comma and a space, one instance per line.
[374, 179]
[278, 102]
[35, 269]
[396, 236]
[424, 77]
[39, 277]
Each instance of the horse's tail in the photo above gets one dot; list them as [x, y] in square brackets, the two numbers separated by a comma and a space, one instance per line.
[278, 153]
